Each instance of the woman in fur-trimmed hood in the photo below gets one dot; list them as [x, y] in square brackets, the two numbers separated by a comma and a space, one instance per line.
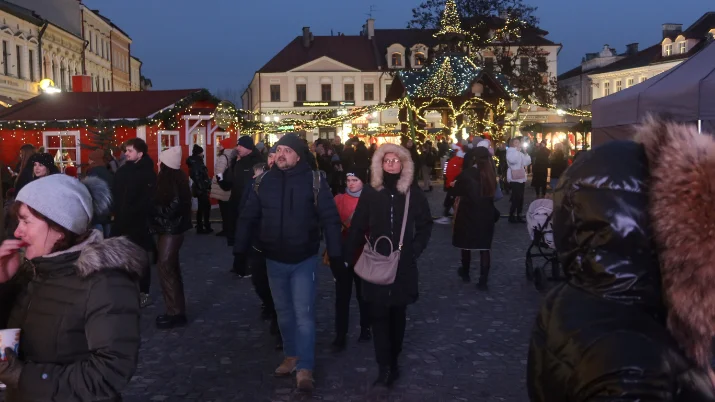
[633, 224]
[75, 297]
[379, 213]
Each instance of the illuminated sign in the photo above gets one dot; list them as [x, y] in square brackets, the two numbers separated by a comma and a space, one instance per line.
[324, 104]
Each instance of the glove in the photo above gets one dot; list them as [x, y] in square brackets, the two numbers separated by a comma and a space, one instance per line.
[11, 369]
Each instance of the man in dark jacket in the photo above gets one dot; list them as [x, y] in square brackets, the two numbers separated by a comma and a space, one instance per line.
[200, 188]
[248, 156]
[290, 213]
[636, 319]
[132, 194]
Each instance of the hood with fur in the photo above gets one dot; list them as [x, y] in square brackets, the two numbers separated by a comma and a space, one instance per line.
[408, 167]
[682, 195]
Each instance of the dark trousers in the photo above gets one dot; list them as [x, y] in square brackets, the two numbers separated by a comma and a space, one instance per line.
[517, 198]
[388, 332]
[448, 202]
[145, 279]
[223, 208]
[172, 284]
[203, 214]
[344, 278]
[259, 270]
[484, 263]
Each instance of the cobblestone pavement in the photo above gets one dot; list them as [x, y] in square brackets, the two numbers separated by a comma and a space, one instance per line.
[461, 344]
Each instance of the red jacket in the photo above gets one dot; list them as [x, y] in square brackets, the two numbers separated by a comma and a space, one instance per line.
[346, 207]
[454, 168]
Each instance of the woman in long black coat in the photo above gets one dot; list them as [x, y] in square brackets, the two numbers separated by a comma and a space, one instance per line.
[379, 213]
[476, 215]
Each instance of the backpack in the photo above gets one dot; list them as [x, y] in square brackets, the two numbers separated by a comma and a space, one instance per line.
[316, 185]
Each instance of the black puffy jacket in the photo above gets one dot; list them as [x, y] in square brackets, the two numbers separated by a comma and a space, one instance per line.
[79, 315]
[635, 320]
[199, 173]
[175, 217]
[287, 218]
[132, 195]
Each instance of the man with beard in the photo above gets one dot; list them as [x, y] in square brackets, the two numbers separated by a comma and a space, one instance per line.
[290, 206]
[132, 194]
[248, 156]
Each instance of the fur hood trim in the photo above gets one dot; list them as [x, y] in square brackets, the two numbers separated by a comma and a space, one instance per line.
[682, 194]
[99, 254]
[408, 167]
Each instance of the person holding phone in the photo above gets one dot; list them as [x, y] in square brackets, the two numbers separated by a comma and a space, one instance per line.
[86, 347]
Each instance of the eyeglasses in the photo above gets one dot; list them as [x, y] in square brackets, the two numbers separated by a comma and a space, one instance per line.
[390, 161]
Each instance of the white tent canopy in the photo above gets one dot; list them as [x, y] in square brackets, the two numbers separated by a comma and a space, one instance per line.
[685, 93]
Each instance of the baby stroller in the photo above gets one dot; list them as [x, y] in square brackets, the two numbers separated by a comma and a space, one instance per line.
[538, 221]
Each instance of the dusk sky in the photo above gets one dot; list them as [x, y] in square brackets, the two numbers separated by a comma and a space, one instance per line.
[219, 44]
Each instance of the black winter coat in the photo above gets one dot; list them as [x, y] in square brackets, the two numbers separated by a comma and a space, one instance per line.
[199, 174]
[558, 164]
[540, 167]
[133, 194]
[79, 315]
[379, 213]
[602, 336]
[242, 175]
[103, 173]
[476, 215]
[174, 218]
[288, 221]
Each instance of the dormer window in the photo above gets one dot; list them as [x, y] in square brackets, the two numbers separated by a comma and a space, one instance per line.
[397, 60]
[668, 49]
[683, 47]
[420, 59]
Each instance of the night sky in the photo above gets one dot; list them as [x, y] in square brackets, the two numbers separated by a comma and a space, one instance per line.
[219, 44]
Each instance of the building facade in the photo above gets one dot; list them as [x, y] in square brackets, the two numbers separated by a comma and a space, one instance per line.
[120, 46]
[135, 74]
[607, 72]
[61, 56]
[97, 55]
[19, 68]
[344, 72]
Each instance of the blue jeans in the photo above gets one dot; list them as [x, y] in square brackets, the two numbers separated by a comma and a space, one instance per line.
[293, 289]
[554, 183]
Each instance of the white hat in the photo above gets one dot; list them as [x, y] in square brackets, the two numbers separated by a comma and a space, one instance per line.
[484, 144]
[171, 157]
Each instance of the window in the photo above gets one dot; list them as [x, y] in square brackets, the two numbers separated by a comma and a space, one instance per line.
[668, 50]
[349, 92]
[397, 60]
[542, 65]
[643, 79]
[326, 92]
[369, 92]
[524, 64]
[62, 78]
[420, 59]
[218, 137]
[63, 146]
[101, 47]
[5, 58]
[300, 93]
[683, 47]
[606, 88]
[619, 85]
[630, 82]
[18, 57]
[32, 66]
[275, 92]
[91, 42]
[168, 139]
[489, 63]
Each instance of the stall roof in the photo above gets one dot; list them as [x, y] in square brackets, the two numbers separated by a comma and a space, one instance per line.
[88, 105]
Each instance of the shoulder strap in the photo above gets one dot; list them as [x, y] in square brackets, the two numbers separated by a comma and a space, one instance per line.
[257, 182]
[316, 186]
[404, 218]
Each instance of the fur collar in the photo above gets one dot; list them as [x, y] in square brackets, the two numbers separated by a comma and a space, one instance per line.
[682, 163]
[408, 167]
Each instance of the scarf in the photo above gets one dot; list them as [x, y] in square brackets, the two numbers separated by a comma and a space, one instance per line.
[355, 194]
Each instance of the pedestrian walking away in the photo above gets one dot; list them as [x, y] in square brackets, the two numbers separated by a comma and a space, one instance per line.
[517, 160]
[645, 283]
[200, 188]
[171, 218]
[221, 183]
[290, 214]
[380, 213]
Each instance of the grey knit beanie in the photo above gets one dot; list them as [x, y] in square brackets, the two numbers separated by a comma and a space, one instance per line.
[67, 201]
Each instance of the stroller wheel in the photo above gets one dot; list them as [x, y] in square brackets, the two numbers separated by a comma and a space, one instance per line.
[539, 278]
[529, 269]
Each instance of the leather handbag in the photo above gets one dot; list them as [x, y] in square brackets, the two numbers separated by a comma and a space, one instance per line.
[376, 268]
[518, 174]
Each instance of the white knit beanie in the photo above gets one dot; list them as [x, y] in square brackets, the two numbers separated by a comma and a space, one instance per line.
[67, 201]
[171, 157]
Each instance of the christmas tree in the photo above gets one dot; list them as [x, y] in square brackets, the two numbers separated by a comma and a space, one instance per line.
[450, 22]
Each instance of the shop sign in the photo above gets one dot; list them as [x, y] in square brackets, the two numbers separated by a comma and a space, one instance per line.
[324, 104]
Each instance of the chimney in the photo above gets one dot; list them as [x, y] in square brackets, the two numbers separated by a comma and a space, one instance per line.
[307, 37]
[671, 30]
[370, 28]
[631, 49]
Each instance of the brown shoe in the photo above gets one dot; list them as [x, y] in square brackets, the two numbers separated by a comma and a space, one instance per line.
[304, 378]
[287, 367]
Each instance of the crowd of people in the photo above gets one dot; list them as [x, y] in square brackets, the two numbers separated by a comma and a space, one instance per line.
[642, 284]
